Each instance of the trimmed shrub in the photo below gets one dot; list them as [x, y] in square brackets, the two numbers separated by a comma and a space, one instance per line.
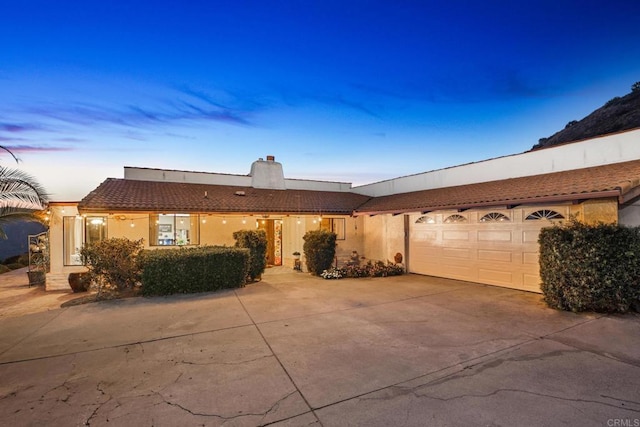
[189, 270]
[15, 266]
[113, 262]
[590, 267]
[4, 269]
[256, 242]
[319, 250]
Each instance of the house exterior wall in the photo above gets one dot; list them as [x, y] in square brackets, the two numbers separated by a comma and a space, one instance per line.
[56, 238]
[354, 239]
[214, 229]
[384, 236]
[629, 215]
[146, 174]
[596, 211]
[604, 150]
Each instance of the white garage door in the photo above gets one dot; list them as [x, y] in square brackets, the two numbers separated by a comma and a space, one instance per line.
[496, 247]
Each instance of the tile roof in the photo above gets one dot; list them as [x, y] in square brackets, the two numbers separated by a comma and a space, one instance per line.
[620, 180]
[115, 195]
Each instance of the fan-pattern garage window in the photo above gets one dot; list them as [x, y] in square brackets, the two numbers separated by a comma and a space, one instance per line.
[544, 214]
[494, 217]
[455, 218]
[425, 220]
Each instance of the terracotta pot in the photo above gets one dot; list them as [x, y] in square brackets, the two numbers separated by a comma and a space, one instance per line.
[78, 282]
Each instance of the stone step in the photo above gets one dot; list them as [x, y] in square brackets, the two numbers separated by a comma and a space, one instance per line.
[57, 282]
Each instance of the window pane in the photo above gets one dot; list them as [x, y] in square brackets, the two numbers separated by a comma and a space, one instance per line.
[174, 229]
[96, 229]
[455, 218]
[72, 240]
[337, 226]
[425, 220]
[494, 217]
[183, 230]
[544, 214]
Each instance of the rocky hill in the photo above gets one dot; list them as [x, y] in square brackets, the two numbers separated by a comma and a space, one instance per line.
[618, 114]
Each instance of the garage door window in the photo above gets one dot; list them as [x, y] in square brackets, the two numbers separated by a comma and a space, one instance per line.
[494, 217]
[455, 218]
[425, 220]
[544, 214]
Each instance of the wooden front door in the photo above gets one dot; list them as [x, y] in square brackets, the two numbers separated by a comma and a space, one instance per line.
[273, 229]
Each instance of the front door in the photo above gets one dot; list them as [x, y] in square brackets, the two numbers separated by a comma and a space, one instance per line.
[273, 228]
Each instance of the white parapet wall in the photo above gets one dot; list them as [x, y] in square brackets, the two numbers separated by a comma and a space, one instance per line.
[614, 148]
[264, 174]
[149, 174]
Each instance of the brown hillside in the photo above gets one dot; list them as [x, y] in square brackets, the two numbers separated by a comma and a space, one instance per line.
[620, 113]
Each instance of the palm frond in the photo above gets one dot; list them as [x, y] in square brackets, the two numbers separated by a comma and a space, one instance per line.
[18, 189]
[10, 152]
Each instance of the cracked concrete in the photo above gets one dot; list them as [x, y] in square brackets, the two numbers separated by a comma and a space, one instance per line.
[294, 350]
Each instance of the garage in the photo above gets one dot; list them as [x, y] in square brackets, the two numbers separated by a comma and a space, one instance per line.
[491, 246]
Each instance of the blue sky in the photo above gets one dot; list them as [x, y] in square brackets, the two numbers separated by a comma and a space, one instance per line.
[355, 91]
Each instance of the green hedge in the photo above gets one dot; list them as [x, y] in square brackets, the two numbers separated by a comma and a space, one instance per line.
[319, 250]
[256, 242]
[590, 267]
[189, 270]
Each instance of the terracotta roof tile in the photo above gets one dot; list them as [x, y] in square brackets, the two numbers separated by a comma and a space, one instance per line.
[609, 180]
[614, 180]
[151, 196]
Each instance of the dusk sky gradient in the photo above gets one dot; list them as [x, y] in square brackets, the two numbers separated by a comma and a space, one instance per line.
[353, 91]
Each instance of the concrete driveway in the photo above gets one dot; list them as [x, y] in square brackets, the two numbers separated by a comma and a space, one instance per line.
[294, 350]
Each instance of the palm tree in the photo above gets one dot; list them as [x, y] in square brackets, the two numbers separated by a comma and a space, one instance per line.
[21, 196]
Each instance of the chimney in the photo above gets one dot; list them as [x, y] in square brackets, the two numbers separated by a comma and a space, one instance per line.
[267, 174]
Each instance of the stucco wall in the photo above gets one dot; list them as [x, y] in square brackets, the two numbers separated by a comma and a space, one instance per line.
[383, 237]
[630, 215]
[218, 230]
[149, 174]
[215, 230]
[56, 253]
[597, 210]
[604, 150]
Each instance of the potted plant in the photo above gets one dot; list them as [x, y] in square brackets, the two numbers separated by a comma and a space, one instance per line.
[296, 261]
[79, 281]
